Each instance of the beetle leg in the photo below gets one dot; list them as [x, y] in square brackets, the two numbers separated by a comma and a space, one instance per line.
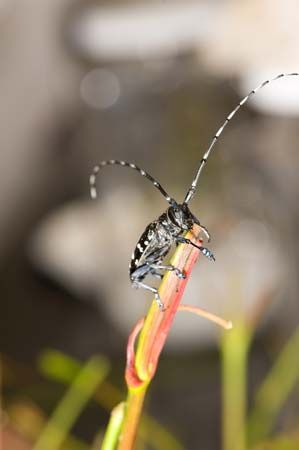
[177, 271]
[205, 251]
[156, 274]
[139, 284]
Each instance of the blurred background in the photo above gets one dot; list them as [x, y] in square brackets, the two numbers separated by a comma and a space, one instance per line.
[149, 82]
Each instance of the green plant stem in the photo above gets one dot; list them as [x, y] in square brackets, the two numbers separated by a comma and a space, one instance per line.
[234, 350]
[74, 400]
[114, 427]
[274, 390]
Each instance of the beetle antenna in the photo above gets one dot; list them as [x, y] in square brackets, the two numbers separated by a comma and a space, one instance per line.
[112, 162]
[193, 186]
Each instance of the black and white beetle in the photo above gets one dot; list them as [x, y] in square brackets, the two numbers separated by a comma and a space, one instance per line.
[158, 237]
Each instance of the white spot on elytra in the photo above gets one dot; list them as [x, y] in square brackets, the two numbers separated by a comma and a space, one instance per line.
[146, 242]
[136, 261]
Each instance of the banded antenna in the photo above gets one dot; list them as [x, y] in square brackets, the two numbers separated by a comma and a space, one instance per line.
[193, 186]
[112, 162]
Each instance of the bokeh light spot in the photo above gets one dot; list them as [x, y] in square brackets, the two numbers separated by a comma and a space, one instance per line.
[100, 88]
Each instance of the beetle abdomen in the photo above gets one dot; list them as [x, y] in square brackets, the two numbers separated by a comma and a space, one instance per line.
[152, 246]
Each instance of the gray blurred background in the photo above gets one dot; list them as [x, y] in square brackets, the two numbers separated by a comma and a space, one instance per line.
[150, 82]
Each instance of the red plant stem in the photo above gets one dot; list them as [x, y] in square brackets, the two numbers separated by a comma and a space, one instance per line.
[157, 323]
[130, 373]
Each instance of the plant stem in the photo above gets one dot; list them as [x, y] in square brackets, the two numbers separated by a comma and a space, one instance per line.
[157, 324]
[274, 390]
[132, 416]
[74, 400]
[114, 426]
[234, 351]
[64, 369]
[154, 331]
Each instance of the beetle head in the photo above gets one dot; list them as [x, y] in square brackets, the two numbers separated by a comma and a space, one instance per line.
[181, 216]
